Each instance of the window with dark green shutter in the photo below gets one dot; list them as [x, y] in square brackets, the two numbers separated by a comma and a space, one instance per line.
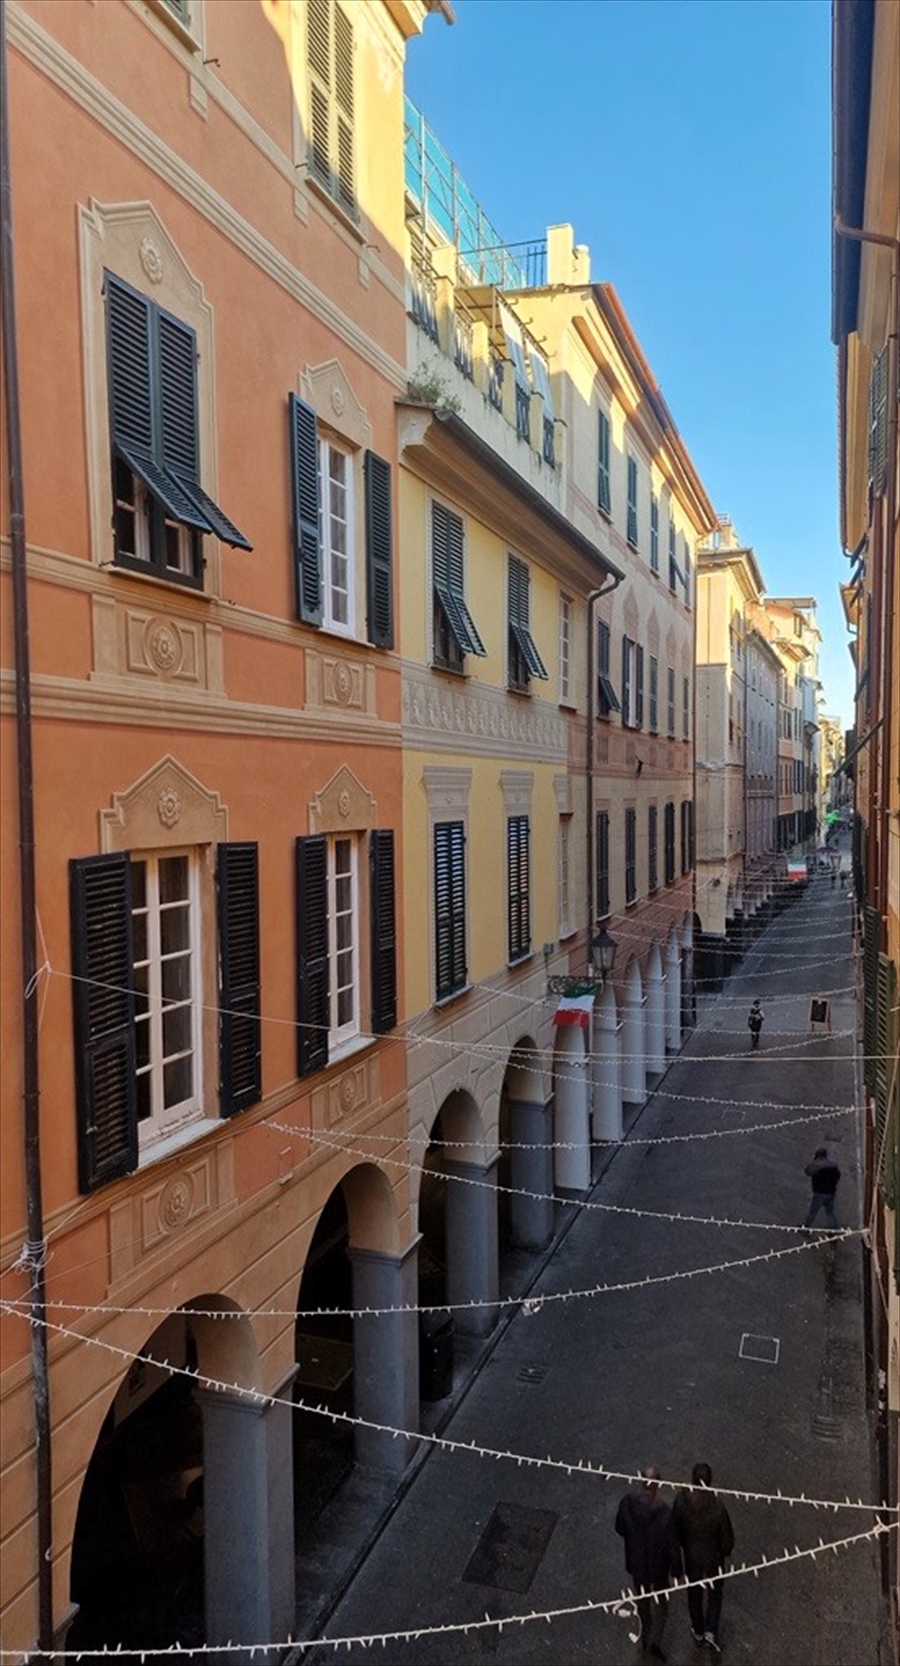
[654, 534]
[240, 1037]
[630, 856]
[384, 930]
[602, 863]
[687, 810]
[330, 61]
[524, 660]
[311, 857]
[638, 686]
[886, 1088]
[632, 518]
[103, 1010]
[304, 444]
[871, 941]
[607, 698]
[379, 551]
[654, 694]
[604, 488]
[519, 886]
[669, 841]
[160, 508]
[627, 664]
[652, 849]
[451, 970]
[455, 634]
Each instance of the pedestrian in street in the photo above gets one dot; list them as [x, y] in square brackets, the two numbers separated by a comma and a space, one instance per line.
[824, 1173]
[833, 879]
[843, 878]
[706, 1537]
[755, 1024]
[652, 1556]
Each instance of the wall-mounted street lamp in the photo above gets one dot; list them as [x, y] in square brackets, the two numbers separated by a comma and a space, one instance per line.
[593, 981]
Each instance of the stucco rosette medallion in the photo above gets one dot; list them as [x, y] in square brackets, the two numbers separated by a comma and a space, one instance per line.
[151, 259]
[163, 646]
[343, 682]
[176, 1204]
[347, 1094]
[168, 807]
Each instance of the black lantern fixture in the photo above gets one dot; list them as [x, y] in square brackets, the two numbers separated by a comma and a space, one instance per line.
[603, 951]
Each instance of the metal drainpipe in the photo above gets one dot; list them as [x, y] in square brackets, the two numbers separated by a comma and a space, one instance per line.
[33, 1255]
[589, 764]
[893, 394]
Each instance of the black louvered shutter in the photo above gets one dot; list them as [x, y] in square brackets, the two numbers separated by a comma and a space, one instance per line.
[519, 886]
[639, 686]
[871, 933]
[449, 908]
[384, 930]
[240, 1061]
[178, 395]
[885, 1079]
[103, 1009]
[602, 862]
[304, 440]
[379, 551]
[128, 348]
[312, 954]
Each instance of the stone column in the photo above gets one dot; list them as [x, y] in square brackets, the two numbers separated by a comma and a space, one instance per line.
[572, 1128]
[248, 1516]
[673, 998]
[633, 1083]
[656, 1029]
[472, 1254]
[607, 1077]
[385, 1354]
[531, 1218]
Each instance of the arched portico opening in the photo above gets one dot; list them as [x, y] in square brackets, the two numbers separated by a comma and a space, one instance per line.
[160, 1553]
[458, 1256]
[357, 1360]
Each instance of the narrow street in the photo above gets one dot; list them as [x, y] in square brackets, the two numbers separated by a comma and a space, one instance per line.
[757, 1369]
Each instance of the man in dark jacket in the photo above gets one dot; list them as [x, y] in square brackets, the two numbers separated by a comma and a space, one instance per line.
[651, 1556]
[824, 1174]
[703, 1529]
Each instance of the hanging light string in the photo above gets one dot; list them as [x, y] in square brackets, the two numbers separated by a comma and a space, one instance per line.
[623, 1607]
[445, 1443]
[528, 1304]
[408, 1166]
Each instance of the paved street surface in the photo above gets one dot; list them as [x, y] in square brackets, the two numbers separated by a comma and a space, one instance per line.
[664, 1373]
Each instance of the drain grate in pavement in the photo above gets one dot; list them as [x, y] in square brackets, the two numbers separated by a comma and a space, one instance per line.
[511, 1548]
[532, 1373]
[763, 1348]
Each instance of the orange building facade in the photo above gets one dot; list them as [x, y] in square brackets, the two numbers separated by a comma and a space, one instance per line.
[210, 337]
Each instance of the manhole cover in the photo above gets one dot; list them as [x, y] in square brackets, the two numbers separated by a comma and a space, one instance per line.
[511, 1548]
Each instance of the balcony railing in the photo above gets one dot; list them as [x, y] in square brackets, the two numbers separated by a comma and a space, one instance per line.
[449, 209]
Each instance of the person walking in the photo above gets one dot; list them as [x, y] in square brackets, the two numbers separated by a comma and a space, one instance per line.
[824, 1174]
[705, 1535]
[652, 1557]
[755, 1024]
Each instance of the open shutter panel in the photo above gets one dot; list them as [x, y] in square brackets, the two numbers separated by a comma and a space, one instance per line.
[384, 931]
[343, 86]
[878, 422]
[304, 437]
[379, 551]
[177, 358]
[639, 686]
[312, 954]
[128, 347]
[885, 1078]
[240, 1063]
[103, 1009]
[469, 641]
[871, 930]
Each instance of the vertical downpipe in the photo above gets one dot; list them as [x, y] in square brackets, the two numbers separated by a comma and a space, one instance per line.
[33, 1258]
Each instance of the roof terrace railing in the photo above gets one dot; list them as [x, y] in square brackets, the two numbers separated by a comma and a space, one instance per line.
[448, 207]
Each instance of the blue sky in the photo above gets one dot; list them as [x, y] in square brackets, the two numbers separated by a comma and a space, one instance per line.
[689, 144]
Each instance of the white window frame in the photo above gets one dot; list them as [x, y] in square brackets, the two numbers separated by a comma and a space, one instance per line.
[565, 651]
[327, 449]
[339, 1034]
[164, 1120]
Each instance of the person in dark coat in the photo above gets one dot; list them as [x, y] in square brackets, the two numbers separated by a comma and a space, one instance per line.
[824, 1174]
[755, 1023]
[644, 1521]
[704, 1532]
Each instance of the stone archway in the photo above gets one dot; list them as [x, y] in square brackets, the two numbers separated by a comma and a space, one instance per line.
[182, 1479]
[526, 1142]
[458, 1216]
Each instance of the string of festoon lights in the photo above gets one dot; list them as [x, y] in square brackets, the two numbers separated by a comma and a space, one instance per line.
[470, 1448]
[622, 1607]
